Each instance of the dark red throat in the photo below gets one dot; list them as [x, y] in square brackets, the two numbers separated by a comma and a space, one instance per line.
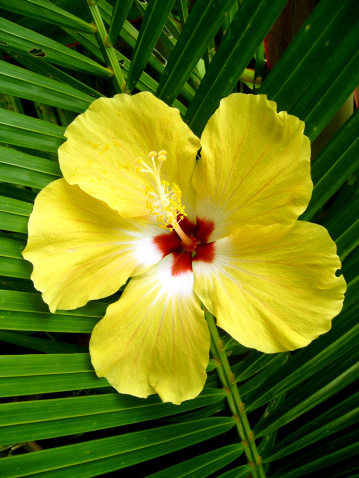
[201, 250]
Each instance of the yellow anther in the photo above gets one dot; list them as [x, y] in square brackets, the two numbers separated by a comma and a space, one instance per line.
[164, 201]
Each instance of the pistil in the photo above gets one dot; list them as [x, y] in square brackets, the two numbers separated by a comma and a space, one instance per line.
[190, 243]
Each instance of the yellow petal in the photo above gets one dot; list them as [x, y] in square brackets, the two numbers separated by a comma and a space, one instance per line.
[273, 288]
[81, 249]
[155, 338]
[104, 142]
[254, 166]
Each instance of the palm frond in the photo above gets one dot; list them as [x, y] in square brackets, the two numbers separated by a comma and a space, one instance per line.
[301, 407]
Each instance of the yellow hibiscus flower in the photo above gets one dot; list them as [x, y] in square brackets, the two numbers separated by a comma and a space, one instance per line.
[134, 202]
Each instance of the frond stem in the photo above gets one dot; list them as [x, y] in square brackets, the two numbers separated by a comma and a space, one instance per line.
[235, 403]
[108, 51]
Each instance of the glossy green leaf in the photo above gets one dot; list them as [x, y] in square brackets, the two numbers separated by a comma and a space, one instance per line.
[344, 228]
[156, 60]
[119, 15]
[14, 192]
[182, 8]
[256, 381]
[201, 26]
[167, 35]
[22, 160]
[121, 451]
[342, 415]
[269, 440]
[299, 404]
[239, 472]
[251, 23]
[335, 164]
[41, 67]
[66, 416]
[24, 302]
[20, 168]
[308, 44]
[145, 83]
[204, 412]
[35, 321]
[346, 195]
[326, 41]
[39, 384]
[22, 130]
[152, 24]
[11, 248]
[46, 11]
[337, 450]
[40, 345]
[108, 52]
[134, 409]
[15, 268]
[14, 206]
[16, 284]
[253, 364]
[14, 214]
[19, 39]
[23, 365]
[317, 116]
[202, 465]
[314, 391]
[26, 84]
[350, 271]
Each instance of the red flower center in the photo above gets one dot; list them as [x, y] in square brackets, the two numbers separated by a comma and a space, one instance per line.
[201, 250]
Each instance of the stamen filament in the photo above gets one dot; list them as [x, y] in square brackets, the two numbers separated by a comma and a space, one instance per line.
[165, 201]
